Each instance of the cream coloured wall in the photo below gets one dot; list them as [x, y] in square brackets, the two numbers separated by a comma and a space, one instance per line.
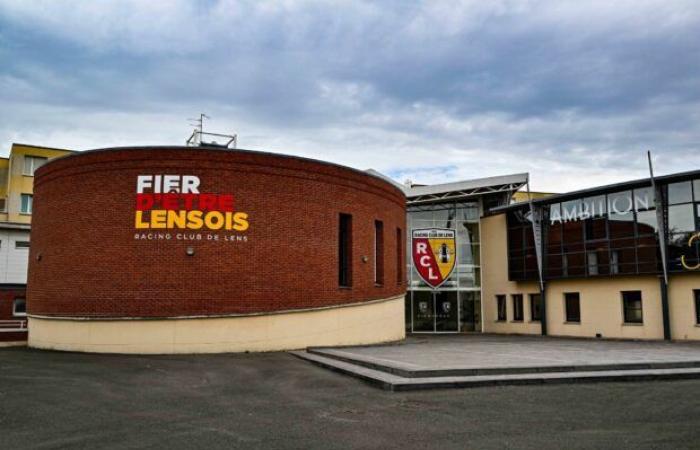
[601, 307]
[494, 281]
[681, 306]
[368, 323]
[601, 298]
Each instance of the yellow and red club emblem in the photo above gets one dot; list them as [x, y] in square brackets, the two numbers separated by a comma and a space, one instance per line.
[434, 254]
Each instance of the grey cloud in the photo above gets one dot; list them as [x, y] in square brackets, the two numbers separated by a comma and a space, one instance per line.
[486, 87]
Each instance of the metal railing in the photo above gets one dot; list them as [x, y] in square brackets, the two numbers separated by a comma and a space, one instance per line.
[12, 325]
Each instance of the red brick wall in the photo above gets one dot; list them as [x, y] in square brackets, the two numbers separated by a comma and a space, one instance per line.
[7, 297]
[84, 260]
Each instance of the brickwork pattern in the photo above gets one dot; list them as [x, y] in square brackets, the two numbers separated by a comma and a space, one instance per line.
[7, 296]
[85, 262]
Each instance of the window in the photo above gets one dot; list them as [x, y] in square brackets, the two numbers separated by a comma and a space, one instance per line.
[632, 306]
[26, 204]
[614, 262]
[345, 250]
[501, 307]
[679, 193]
[535, 307]
[3, 204]
[399, 256]
[696, 293]
[681, 218]
[21, 244]
[32, 163]
[517, 307]
[572, 307]
[19, 307]
[592, 258]
[378, 252]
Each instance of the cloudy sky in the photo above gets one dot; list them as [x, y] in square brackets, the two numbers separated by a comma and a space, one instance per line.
[573, 92]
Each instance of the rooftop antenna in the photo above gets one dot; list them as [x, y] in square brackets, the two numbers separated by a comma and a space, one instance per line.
[195, 139]
[199, 123]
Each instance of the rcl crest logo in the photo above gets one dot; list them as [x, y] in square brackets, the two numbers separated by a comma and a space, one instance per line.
[434, 255]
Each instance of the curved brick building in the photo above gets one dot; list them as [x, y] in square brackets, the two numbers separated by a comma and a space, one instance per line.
[174, 250]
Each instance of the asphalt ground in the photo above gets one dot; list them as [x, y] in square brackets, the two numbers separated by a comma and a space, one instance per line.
[274, 400]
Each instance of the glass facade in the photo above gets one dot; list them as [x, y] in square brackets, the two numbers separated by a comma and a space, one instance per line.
[683, 222]
[613, 233]
[456, 306]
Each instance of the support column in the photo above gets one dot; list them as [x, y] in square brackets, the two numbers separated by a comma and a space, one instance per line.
[664, 308]
[543, 315]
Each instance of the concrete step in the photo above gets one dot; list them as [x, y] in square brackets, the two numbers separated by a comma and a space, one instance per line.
[407, 371]
[393, 382]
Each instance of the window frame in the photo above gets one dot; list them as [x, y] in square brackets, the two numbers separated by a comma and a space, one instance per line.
[567, 318]
[532, 298]
[518, 307]
[15, 301]
[625, 308]
[30, 203]
[345, 250]
[32, 162]
[501, 306]
[400, 260]
[378, 253]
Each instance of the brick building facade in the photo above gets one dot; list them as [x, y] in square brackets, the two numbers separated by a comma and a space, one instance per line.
[99, 254]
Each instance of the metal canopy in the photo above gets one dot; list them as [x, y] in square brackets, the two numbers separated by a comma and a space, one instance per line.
[463, 189]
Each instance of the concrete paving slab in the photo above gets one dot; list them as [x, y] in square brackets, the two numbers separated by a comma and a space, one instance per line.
[391, 382]
[488, 354]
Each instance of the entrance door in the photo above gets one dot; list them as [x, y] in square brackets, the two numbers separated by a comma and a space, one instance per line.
[446, 312]
[435, 312]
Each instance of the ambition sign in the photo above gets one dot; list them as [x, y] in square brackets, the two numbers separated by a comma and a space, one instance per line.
[598, 207]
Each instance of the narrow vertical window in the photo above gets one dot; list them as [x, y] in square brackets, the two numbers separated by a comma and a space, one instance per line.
[26, 204]
[345, 250]
[501, 307]
[592, 258]
[378, 252]
[399, 256]
[517, 307]
[614, 262]
[572, 307]
[696, 293]
[535, 307]
[632, 306]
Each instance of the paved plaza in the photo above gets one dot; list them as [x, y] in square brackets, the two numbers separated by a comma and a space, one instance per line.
[274, 400]
[459, 361]
[497, 351]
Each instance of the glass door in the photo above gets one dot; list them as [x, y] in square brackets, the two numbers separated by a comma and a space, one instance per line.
[434, 312]
[446, 312]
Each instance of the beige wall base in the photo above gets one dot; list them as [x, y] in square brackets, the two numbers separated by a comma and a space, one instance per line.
[601, 308]
[681, 306]
[375, 322]
[13, 344]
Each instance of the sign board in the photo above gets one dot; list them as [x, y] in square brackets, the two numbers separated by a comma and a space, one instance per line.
[172, 207]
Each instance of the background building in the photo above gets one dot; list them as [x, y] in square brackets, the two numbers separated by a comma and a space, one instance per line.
[603, 253]
[16, 201]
